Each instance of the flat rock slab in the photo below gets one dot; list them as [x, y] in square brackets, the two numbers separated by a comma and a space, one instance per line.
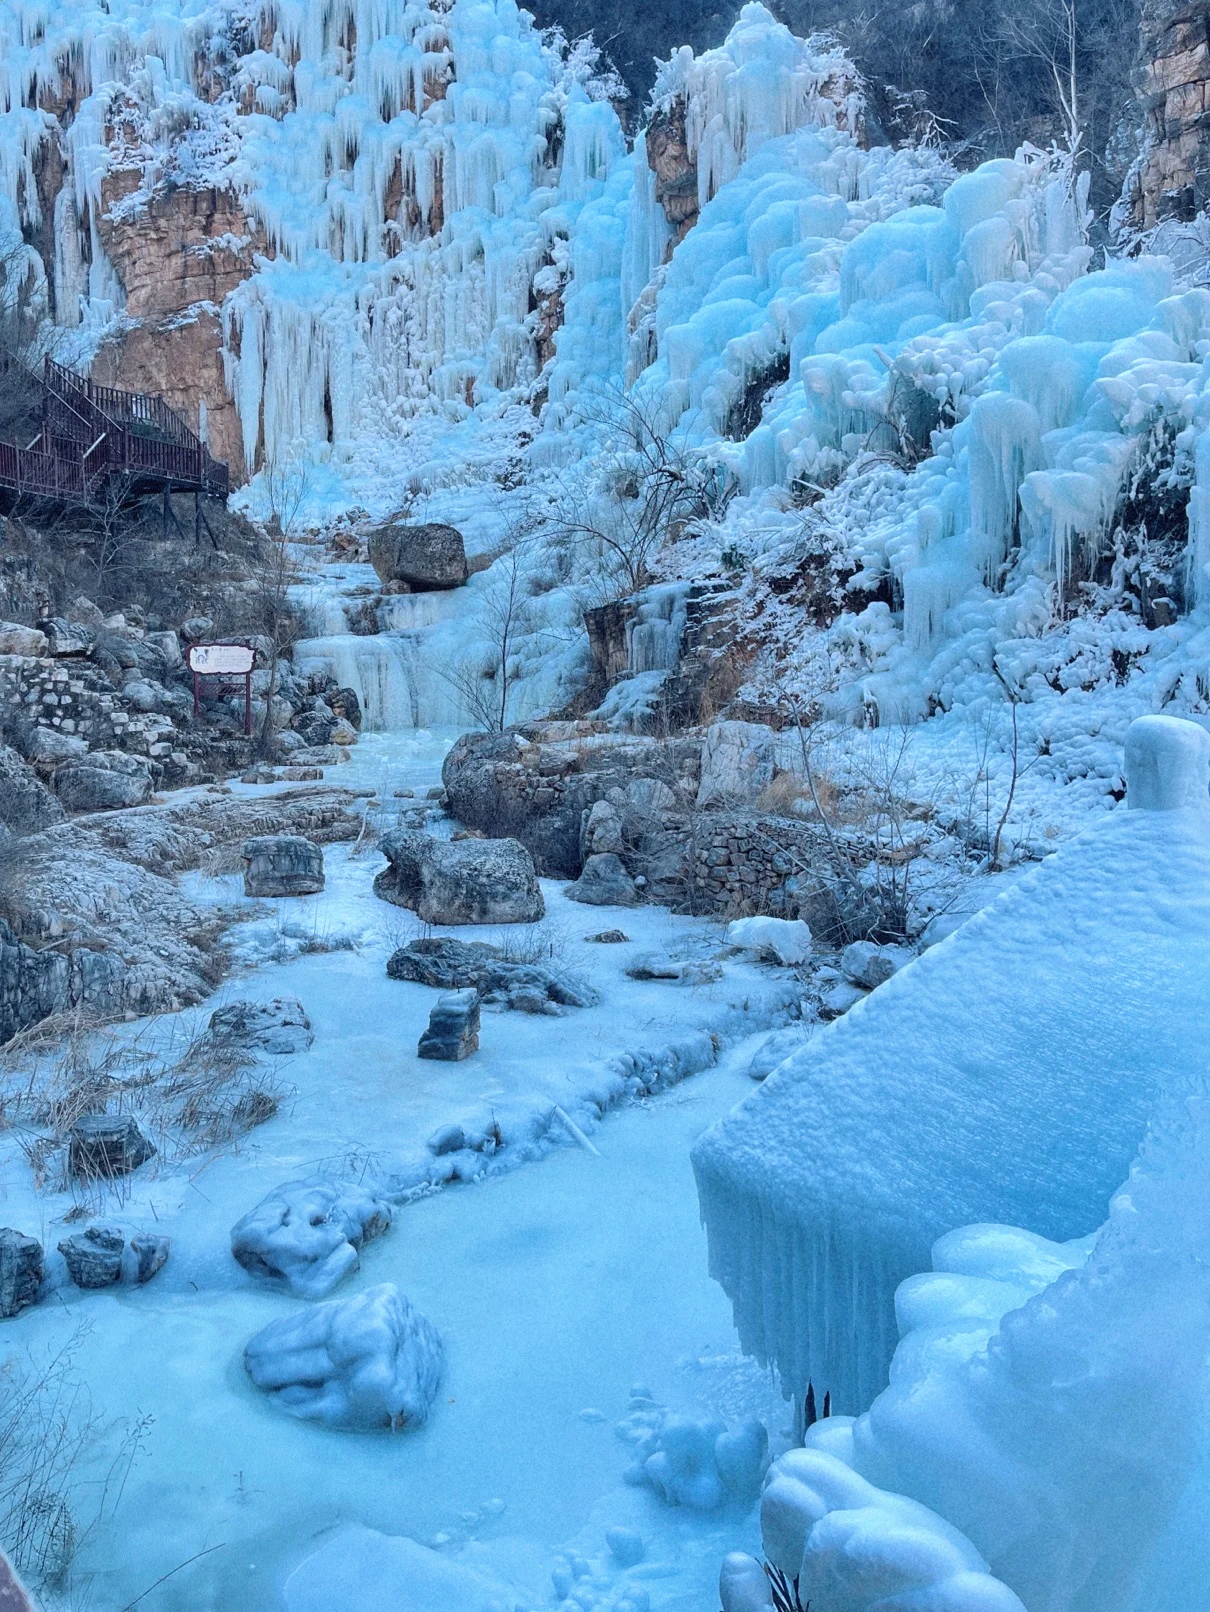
[279, 1027]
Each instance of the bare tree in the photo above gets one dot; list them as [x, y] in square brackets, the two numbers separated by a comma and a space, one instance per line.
[286, 485]
[648, 490]
[485, 683]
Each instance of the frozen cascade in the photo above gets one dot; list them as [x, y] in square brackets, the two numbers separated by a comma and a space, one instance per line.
[396, 677]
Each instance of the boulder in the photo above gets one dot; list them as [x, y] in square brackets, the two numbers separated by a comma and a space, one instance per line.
[737, 763]
[102, 781]
[26, 805]
[776, 1048]
[20, 1271]
[48, 747]
[18, 640]
[102, 1146]
[779, 940]
[840, 999]
[308, 1234]
[361, 1363]
[610, 937]
[442, 962]
[68, 637]
[601, 831]
[463, 882]
[426, 557]
[343, 703]
[868, 965]
[316, 727]
[282, 865]
[453, 1027]
[169, 646]
[604, 882]
[196, 629]
[94, 1257]
[279, 1027]
[150, 1255]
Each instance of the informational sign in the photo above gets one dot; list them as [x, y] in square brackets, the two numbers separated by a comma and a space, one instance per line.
[223, 666]
[221, 660]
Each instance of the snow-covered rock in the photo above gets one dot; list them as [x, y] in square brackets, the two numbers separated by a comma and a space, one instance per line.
[361, 1363]
[1167, 764]
[852, 1547]
[777, 1047]
[698, 1464]
[869, 966]
[452, 1032]
[784, 940]
[308, 1234]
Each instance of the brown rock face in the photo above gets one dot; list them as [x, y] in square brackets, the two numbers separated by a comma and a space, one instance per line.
[180, 359]
[674, 169]
[177, 258]
[1173, 179]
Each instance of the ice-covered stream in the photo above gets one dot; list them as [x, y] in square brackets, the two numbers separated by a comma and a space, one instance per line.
[557, 1287]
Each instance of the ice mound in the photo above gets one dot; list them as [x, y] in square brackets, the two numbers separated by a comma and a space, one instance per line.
[359, 1570]
[308, 1234]
[359, 1363]
[1167, 764]
[854, 1548]
[701, 1465]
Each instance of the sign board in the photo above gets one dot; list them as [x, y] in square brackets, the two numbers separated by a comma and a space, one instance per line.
[221, 660]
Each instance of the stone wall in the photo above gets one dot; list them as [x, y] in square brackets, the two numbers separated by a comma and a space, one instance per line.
[77, 698]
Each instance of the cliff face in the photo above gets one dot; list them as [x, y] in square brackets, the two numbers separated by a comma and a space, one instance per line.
[177, 258]
[1172, 178]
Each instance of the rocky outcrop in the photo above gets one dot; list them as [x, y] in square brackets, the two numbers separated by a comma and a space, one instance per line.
[1171, 181]
[92, 919]
[675, 170]
[424, 558]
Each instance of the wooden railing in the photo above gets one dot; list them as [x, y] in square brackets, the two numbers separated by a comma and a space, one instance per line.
[91, 432]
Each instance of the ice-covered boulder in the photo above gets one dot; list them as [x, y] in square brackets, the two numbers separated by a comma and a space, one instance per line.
[737, 763]
[604, 882]
[468, 881]
[94, 1257]
[308, 1234]
[360, 1363]
[279, 1027]
[780, 940]
[777, 1047]
[1167, 764]
[425, 558]
[282, 865]
[452, 1032]
[102, 1146]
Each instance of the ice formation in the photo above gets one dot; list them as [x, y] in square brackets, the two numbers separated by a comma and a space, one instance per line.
[701, 1465]
[852, 1547]
[359, 1363]
[787, 940]
[978, 1084]
[308, 1234]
